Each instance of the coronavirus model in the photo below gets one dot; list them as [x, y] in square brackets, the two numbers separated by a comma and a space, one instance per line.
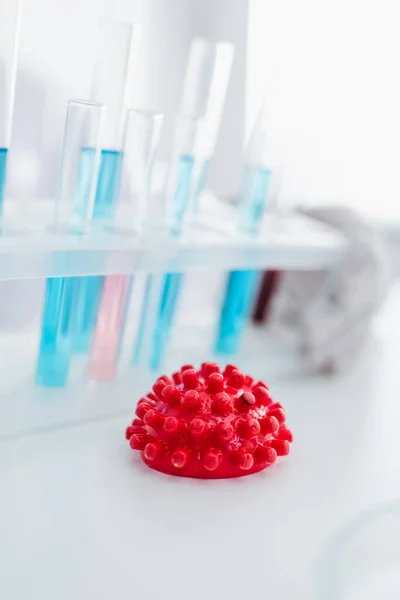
[209, 423]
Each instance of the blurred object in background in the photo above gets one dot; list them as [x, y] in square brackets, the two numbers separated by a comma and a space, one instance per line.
[268, 287]
[329, 313]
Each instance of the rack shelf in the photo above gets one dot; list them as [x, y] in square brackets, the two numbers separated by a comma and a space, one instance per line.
[29, 249]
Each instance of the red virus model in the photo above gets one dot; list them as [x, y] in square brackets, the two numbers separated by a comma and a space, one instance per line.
[209, 424]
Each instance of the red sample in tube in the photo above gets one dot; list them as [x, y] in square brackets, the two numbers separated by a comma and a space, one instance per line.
[209, 424]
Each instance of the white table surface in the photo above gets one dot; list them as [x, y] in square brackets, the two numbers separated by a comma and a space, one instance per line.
[81, 518]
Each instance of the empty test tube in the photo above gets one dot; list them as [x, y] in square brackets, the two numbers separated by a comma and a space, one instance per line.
[10, 21]
[83, 127]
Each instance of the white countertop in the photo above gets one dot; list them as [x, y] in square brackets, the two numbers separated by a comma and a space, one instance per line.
[81, 518]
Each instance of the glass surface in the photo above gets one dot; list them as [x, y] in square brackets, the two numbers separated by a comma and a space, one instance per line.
[363, 562]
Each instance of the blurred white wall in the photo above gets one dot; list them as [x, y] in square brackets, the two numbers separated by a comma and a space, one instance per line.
[331, 69]
[57, 52]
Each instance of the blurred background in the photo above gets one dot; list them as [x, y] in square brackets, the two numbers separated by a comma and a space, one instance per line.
[329, 69]
[329, 72]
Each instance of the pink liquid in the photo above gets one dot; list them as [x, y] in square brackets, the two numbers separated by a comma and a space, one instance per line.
[103, 356]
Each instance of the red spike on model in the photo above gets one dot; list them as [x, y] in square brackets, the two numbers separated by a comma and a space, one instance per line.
[209, 424]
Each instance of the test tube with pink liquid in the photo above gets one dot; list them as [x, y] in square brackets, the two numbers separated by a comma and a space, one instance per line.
[141, 137]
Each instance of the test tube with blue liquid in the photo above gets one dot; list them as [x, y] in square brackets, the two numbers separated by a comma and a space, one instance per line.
[10, 21]
[83, 128]
[117, 51]
[161, 290]
[241, 285]
[203, 98]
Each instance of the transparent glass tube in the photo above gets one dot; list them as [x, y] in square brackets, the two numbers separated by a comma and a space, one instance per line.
[73, 211]
[106, 339]
[118, 43]
[163, 319]
[10, 21]
[179, 188]
[141, 137]
[80, 164]
[201, 106]
[156, 322]
[239, 293]
[145, 352]
[117, 47]
[242, 285]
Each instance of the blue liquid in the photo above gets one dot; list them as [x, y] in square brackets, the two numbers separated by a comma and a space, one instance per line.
[182, 193]
[240, 290]
[109, 183]
[77, 311]
[55, 349]
[107, 186]
[163, 320]
[173, 281]
[253, 200]
[172, 285]
[241, 285]
[3, 170]
[89, 300]
[106, 194]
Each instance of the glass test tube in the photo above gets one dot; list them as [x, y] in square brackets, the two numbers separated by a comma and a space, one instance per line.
[117, 49]
[141, 137]
[204, 93]
[241, 285]
[156, 324]
[74, 207]
[77, 181]
[10, 21]
[117, 46]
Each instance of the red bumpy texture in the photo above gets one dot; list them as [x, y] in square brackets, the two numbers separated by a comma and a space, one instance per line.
[209, 424]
